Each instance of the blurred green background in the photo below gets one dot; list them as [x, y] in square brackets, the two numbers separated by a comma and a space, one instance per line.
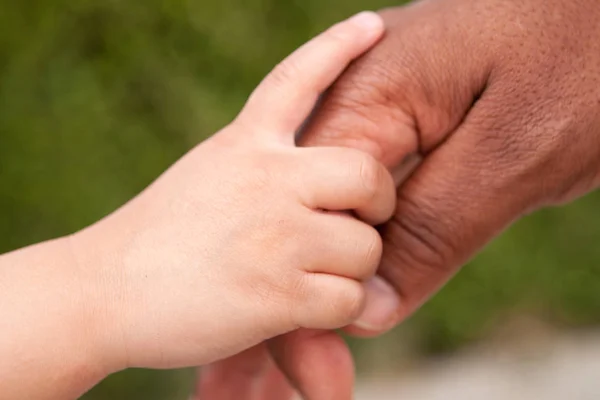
[98, 97]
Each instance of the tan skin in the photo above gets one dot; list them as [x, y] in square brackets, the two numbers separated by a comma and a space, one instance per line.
[500, 100]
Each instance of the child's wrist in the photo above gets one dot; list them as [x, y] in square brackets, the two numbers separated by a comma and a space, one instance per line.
[50, 324]
[96, 303]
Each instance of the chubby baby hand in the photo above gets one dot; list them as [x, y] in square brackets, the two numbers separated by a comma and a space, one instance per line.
[247, 236]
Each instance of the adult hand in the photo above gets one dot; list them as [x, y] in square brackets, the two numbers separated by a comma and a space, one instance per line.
[500, 99]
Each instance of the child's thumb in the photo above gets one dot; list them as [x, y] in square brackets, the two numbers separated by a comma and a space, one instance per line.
[288, 94]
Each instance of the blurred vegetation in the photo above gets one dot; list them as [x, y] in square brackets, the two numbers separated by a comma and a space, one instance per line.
[98, 97]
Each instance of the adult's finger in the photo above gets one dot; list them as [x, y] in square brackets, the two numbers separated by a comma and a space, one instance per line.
[250, 375]
[398, 107]
[403, 102]
[502, 129]
[319, 362]
[454, 203]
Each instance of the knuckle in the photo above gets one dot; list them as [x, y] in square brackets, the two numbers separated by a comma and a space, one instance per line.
[347, 304]
[357, 111]
[284, 73]
[379, 81]
[264, 169]
[270, 295]
[312, 305]
[365, 89]
[424, 239]
[254, 186]
[299, 293]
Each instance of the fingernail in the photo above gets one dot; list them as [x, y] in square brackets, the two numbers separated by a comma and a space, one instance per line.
[382, 306]
[402, 171]
[367, 20]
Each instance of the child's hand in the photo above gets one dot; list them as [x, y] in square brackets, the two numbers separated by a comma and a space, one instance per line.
[245, 237]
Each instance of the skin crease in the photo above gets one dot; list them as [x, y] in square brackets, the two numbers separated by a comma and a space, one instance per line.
[210, 259]
[500, 99]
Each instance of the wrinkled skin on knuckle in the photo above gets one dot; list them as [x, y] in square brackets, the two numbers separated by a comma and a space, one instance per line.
[435, 72]
[427, 238]
[284, 73]
[403, 97]
[355, 113]
[419, 253]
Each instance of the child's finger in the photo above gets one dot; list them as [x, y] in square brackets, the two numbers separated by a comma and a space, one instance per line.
[352, 249]
[287, 95]
[340, 179]
[328, 301]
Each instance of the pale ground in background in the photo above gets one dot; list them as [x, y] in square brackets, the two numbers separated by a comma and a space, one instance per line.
[537, 364]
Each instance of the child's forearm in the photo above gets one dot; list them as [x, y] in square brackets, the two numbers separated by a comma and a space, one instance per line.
[49, 324]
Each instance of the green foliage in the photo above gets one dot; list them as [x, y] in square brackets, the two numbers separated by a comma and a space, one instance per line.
[98, 97]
